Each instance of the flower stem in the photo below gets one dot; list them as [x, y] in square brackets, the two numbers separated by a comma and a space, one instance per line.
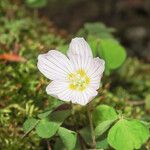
[71, 105]
[73, 113]
[91, 125]
[48, 146]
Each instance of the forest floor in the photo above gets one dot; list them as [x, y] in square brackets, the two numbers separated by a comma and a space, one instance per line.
[22, 88]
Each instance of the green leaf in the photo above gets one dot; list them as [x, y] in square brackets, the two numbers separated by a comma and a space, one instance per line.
[104, 113]
[59, 145]
[86, 135]
[102, 144]
[128, 135]
[53, 106]
[29, 124]
[146, 123]
[102, 127]
[54, 103]
[44, 114]
[98, 30]
[68, 137]
[59, 116]
[36, 3]
[63, 48]
[94, 43]
[46, 129]
[112, 52]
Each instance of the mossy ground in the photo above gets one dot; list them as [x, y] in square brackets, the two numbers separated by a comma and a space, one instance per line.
[22, 87]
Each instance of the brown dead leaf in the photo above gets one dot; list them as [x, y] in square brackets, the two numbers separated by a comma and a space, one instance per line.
[12, 57]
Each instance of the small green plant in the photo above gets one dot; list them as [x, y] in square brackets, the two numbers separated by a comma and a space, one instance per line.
[75, 80]
[104, 45]
[125, 93]
[110, 128]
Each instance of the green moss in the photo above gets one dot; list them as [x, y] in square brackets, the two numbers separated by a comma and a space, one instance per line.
[22, 86]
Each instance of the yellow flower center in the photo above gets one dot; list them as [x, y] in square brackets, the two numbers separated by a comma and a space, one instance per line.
[78, 80]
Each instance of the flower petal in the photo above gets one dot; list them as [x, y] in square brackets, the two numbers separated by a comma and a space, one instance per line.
[97, 67]
[84, 97]
[79, 46]
[95, 72]
[80, 62]
[59, 89]
[54, 65]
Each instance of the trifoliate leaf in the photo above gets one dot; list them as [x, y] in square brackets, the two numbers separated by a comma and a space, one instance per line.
[46, 129]
[102, 127]
[98, 30]
[68, 137]
[112, 52]
[29, 124]
[128, 135]
[103, 113]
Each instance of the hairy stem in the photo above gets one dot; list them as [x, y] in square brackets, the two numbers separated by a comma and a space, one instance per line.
[48, 146]
[91, 125]
[72, 110]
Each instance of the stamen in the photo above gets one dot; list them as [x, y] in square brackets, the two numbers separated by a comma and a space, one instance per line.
[78, 80]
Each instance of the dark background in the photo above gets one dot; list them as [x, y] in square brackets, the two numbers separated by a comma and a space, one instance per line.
[131, 18]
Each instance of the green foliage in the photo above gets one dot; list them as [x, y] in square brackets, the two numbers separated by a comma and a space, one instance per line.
[29, 124]
[46, 129]
[49, 110]
[112, 52]
[103, 113]
[102, 144]
[86, 135]
[103, 117]
[44, 114]
[36, 3]
[59, 145]
[128, 135]
[59, 116]
[102, 127]
[123, 130]
[104, 45]
[68, 137]
[22, 87]
[94, 44]
[98, 30]
[63, 48]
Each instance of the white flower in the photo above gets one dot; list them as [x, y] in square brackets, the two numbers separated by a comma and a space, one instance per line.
[74, 78]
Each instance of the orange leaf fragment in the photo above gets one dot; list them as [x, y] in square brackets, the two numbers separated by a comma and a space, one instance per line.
[12, 57]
